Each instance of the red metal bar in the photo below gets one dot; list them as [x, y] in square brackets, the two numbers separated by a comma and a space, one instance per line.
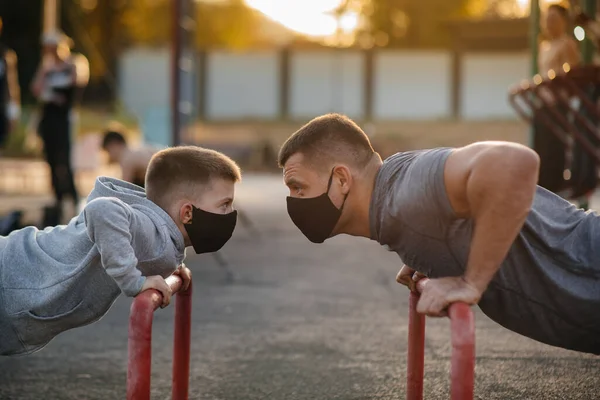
[181, 344]
[462, 325]
[416, 350]
[140, 340]
[462, 372]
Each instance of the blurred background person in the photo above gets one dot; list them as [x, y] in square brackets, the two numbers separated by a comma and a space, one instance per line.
[557, 48]
[10, 92]
[133, 161]
[55, 87]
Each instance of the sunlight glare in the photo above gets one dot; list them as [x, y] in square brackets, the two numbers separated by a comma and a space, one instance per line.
[309, 17]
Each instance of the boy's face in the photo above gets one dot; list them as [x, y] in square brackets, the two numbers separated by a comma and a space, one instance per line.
[216, 198]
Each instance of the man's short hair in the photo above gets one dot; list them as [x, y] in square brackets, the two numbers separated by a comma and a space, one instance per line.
[329, 138]
[183, 170]
[111, 137]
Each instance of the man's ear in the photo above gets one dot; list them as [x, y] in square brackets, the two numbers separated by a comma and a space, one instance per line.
[185, 213]
[343, 175]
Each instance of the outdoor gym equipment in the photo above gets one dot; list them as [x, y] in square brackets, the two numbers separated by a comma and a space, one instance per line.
[562, 88]
[462, 372]
[140, 341]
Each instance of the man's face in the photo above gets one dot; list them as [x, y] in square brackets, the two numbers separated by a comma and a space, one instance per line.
[303, 180]
[218, 197]
[315, 206]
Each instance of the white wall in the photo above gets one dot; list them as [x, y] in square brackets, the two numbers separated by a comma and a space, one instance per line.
[326, 81]
[144, 79]
[412, 85]
[242, 85]
[486, 78]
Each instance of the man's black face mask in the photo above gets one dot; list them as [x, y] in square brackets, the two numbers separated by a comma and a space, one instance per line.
[316, 217]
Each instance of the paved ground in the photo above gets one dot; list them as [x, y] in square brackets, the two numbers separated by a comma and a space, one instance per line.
[297, 321]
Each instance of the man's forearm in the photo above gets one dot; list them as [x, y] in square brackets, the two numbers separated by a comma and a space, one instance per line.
[500, 194]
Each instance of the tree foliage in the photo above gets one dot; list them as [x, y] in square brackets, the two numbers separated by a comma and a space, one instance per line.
[407, 23]
[227, 23]
[423, 24]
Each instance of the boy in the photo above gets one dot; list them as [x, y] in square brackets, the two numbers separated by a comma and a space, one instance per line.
[133, 162]
[125, 240]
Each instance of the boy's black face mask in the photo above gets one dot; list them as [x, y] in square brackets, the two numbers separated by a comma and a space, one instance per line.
[316, 217]
[209, 232]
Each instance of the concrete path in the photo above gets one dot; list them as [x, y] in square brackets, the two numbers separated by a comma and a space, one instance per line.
[295, 321]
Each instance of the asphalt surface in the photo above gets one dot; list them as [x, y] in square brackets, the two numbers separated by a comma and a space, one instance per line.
[291, 320]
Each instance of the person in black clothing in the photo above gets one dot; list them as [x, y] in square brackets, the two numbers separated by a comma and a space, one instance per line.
[10, 93]
[55, 85]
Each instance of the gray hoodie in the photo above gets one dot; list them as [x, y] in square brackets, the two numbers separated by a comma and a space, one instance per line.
[67, 276]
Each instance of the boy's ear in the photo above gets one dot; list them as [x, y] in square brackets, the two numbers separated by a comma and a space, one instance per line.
[185, 213]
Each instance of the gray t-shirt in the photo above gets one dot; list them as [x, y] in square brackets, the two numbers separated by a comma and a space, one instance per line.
[548, 287]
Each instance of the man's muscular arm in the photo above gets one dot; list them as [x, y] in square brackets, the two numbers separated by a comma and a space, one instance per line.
[493, 183]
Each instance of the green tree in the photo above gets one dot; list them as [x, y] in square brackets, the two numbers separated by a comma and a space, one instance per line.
[228, 23]
[417, 24]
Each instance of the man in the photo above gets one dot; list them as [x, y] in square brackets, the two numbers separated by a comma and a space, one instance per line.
[10, 92]
[472, 219]
[133, 162]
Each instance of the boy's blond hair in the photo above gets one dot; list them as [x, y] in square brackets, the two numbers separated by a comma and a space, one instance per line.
[185, 171]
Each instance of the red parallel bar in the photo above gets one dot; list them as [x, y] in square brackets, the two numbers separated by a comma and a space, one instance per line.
[462, 325]
[181, 345]
[140, 338]
[416, 350]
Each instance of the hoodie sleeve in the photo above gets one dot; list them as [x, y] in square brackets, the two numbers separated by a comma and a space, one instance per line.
[108, 222]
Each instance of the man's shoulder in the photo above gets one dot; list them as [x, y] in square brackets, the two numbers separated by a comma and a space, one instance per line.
[407, 163]
[411, 187]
